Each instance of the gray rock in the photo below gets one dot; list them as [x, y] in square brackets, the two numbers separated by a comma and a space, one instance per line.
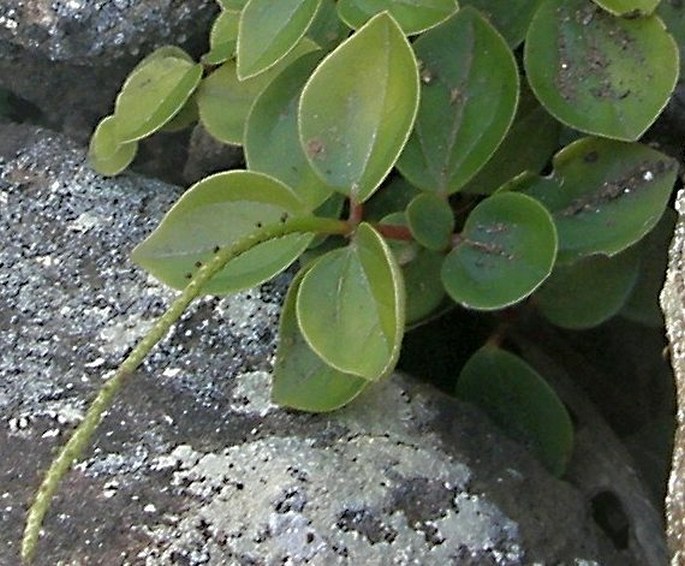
[69, 57]
[193, 464]
[672, 298]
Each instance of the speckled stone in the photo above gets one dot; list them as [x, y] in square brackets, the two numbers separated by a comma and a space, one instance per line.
[673, 305]
[193, 464]
[69, 57]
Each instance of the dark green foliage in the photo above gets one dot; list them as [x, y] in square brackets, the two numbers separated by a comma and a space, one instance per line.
[436, 147]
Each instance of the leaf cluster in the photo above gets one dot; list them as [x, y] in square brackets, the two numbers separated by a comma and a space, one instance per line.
[421, 129]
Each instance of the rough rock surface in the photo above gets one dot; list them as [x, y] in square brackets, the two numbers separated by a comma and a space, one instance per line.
[69, 57]
[193, 465]
[673, 305]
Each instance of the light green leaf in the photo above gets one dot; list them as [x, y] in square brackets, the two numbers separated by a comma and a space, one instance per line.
[581, 63]
[508, 249]
[357, 109]
[631, 8]
[217, 212]
[225, 101]
[106, 154]
[589, 291]
[152, 95]
[609, 195]
[272, 144]
[269, 30]
[413, 16]
[431, 221]
[350, 306]
[223, 38]
[520, 401]
[302, 380]
[468, 101]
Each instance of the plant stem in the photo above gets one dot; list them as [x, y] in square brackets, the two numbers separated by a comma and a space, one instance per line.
[84, 431]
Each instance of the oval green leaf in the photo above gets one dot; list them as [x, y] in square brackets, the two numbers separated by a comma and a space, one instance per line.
[589, 291]
[152, 95]
[350, 306]
[510, 18]
[357, 109]
[608, 195]
[223, 38]
[269, 30]
[302, 380]
[217, 212]
[630, 8]
[327, 29]
[468, 101]
[106, 154]
[272, 144]
[520, 401]
[413, 16]
[508, 248]
[581, 63]
[431, 221]
[224, 101]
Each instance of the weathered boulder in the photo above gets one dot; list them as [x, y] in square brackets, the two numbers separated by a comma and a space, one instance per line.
[673, 305]
[69, 57]
[193, 464]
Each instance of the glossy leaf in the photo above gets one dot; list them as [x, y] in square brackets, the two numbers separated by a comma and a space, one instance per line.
[223, 38]
[468, 101]
[510, 18]
[106, 154]
[609, 195]
[431, 221]
[152, 95]
[350, 306]
[589, 291]
[520, 401]
[643, 303]
[269, 30]
[632, 8]
[302, 380]
[271, 138]
[528, 146]
[508, 249]
[581, 63]
[216, 212]
[413, 16]
[224, 101]
[357, 109]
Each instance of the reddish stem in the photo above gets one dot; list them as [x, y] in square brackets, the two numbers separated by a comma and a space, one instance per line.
[394, 232]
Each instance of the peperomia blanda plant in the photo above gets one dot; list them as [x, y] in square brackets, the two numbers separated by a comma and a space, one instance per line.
[417, 132]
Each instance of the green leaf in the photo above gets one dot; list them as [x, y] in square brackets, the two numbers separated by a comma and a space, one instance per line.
[224, 101]
[393, 196]
[351, 306]
[508, 249]
[589, 291]
[302, 380]
[152, 95]
[519, 400]
[643, 304]
[631, 8]
[431, 221]
[161, 53]
[184, 118]
[269, 31]
[468, 101]
[609, 195]
[106, 154]
[581, 63]
[541, 134]
[413, 16]
[216, 212]
[327, 30]
[358, 107]
[223, 38]
[511, 18]
[672, 13]
[237, 5]
[272, 144]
